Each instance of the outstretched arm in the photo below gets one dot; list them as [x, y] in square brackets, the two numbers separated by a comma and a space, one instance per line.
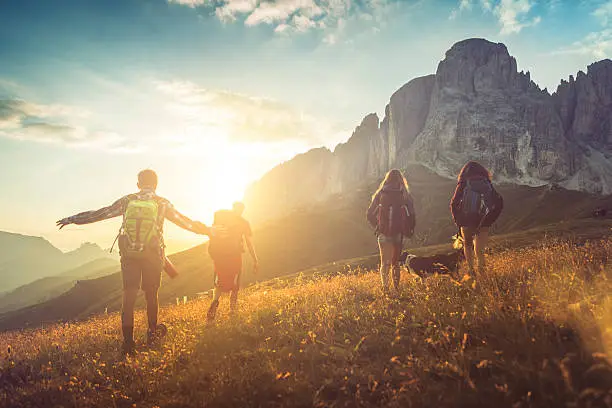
[88, 217]
[185, 222]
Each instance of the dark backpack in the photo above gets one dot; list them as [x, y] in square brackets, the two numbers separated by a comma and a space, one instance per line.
[228, 239]
[478, 199]
[393, 216]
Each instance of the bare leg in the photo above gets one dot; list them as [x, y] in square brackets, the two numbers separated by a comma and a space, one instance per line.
[386, 256]
[233, 300]
[468, 248]
[212, 310]
[480, 243]
[397, 249]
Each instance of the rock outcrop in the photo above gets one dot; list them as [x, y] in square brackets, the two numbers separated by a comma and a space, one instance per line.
[482, 108]
[478, 106]
[585, 105]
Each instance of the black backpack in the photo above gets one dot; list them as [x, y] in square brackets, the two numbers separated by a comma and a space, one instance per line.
[478, 200]
[228, 237]
[392, 215]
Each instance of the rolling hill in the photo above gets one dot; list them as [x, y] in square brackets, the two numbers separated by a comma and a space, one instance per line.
[44, 289]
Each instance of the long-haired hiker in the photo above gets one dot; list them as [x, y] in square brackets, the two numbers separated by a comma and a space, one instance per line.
[475, 206]
[391, 214]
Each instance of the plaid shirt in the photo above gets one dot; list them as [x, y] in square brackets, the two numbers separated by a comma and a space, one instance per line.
[166, 211]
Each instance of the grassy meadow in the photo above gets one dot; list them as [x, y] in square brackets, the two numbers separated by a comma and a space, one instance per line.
[535, 331]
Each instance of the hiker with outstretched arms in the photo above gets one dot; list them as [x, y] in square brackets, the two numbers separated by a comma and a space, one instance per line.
[391, 214]
[232, 233]
[141, 246]
[475, 206]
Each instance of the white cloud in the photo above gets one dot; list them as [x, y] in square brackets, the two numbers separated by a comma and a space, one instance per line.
[512, 15]
[596, 44]
[226, 115]
[51, 123]
[295, 15]
[228, 11]
[604, 13]
[486, 5]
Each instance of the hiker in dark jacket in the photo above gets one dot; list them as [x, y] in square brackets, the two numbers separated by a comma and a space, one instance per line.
[391, 214]
[233, 233]
[475, 206]
[141, 247]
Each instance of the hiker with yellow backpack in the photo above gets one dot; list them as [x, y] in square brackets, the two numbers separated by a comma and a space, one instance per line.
[141, 246]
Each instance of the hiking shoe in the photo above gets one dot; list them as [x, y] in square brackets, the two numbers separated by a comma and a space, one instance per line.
[153, 336]
[128, 348]
[212, 312]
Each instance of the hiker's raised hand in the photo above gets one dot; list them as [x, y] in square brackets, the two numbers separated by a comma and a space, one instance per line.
[63, 222]
[201, 228]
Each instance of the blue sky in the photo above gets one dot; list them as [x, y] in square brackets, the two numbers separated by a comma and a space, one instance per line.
[212, 94]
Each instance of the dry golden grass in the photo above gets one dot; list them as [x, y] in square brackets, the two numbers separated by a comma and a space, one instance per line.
[534, 332]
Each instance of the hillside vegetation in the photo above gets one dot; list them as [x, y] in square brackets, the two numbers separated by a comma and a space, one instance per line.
[535, 331]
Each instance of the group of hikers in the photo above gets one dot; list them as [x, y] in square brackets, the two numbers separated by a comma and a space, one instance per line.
[141, 248]
[475, 206]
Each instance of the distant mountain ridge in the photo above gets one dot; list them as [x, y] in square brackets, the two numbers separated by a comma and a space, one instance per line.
[49, 287]
[24, 259]
[477, 106]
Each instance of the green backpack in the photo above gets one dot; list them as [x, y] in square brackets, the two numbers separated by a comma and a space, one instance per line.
[140, 232]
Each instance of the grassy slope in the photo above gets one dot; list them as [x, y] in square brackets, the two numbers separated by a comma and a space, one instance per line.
[328, 232]
[534, 332]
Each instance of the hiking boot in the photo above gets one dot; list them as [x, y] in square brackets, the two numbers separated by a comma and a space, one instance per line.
[128, 348]
[154, 335]
[233, 309]
[212, 312]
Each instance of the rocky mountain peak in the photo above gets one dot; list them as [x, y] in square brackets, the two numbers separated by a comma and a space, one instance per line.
[600, 67]
[478, 50]
[477, 106]
[476, 65]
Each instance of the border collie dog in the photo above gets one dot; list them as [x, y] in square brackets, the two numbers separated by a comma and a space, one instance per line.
[446, 263]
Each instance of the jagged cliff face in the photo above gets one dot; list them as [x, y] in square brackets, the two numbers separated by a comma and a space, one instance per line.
[482, 108]
[477, 106]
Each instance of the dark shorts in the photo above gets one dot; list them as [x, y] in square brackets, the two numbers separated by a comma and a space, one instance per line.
[227, 272]
[141, 273]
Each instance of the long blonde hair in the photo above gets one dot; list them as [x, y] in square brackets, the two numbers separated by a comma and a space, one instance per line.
[393, 179]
